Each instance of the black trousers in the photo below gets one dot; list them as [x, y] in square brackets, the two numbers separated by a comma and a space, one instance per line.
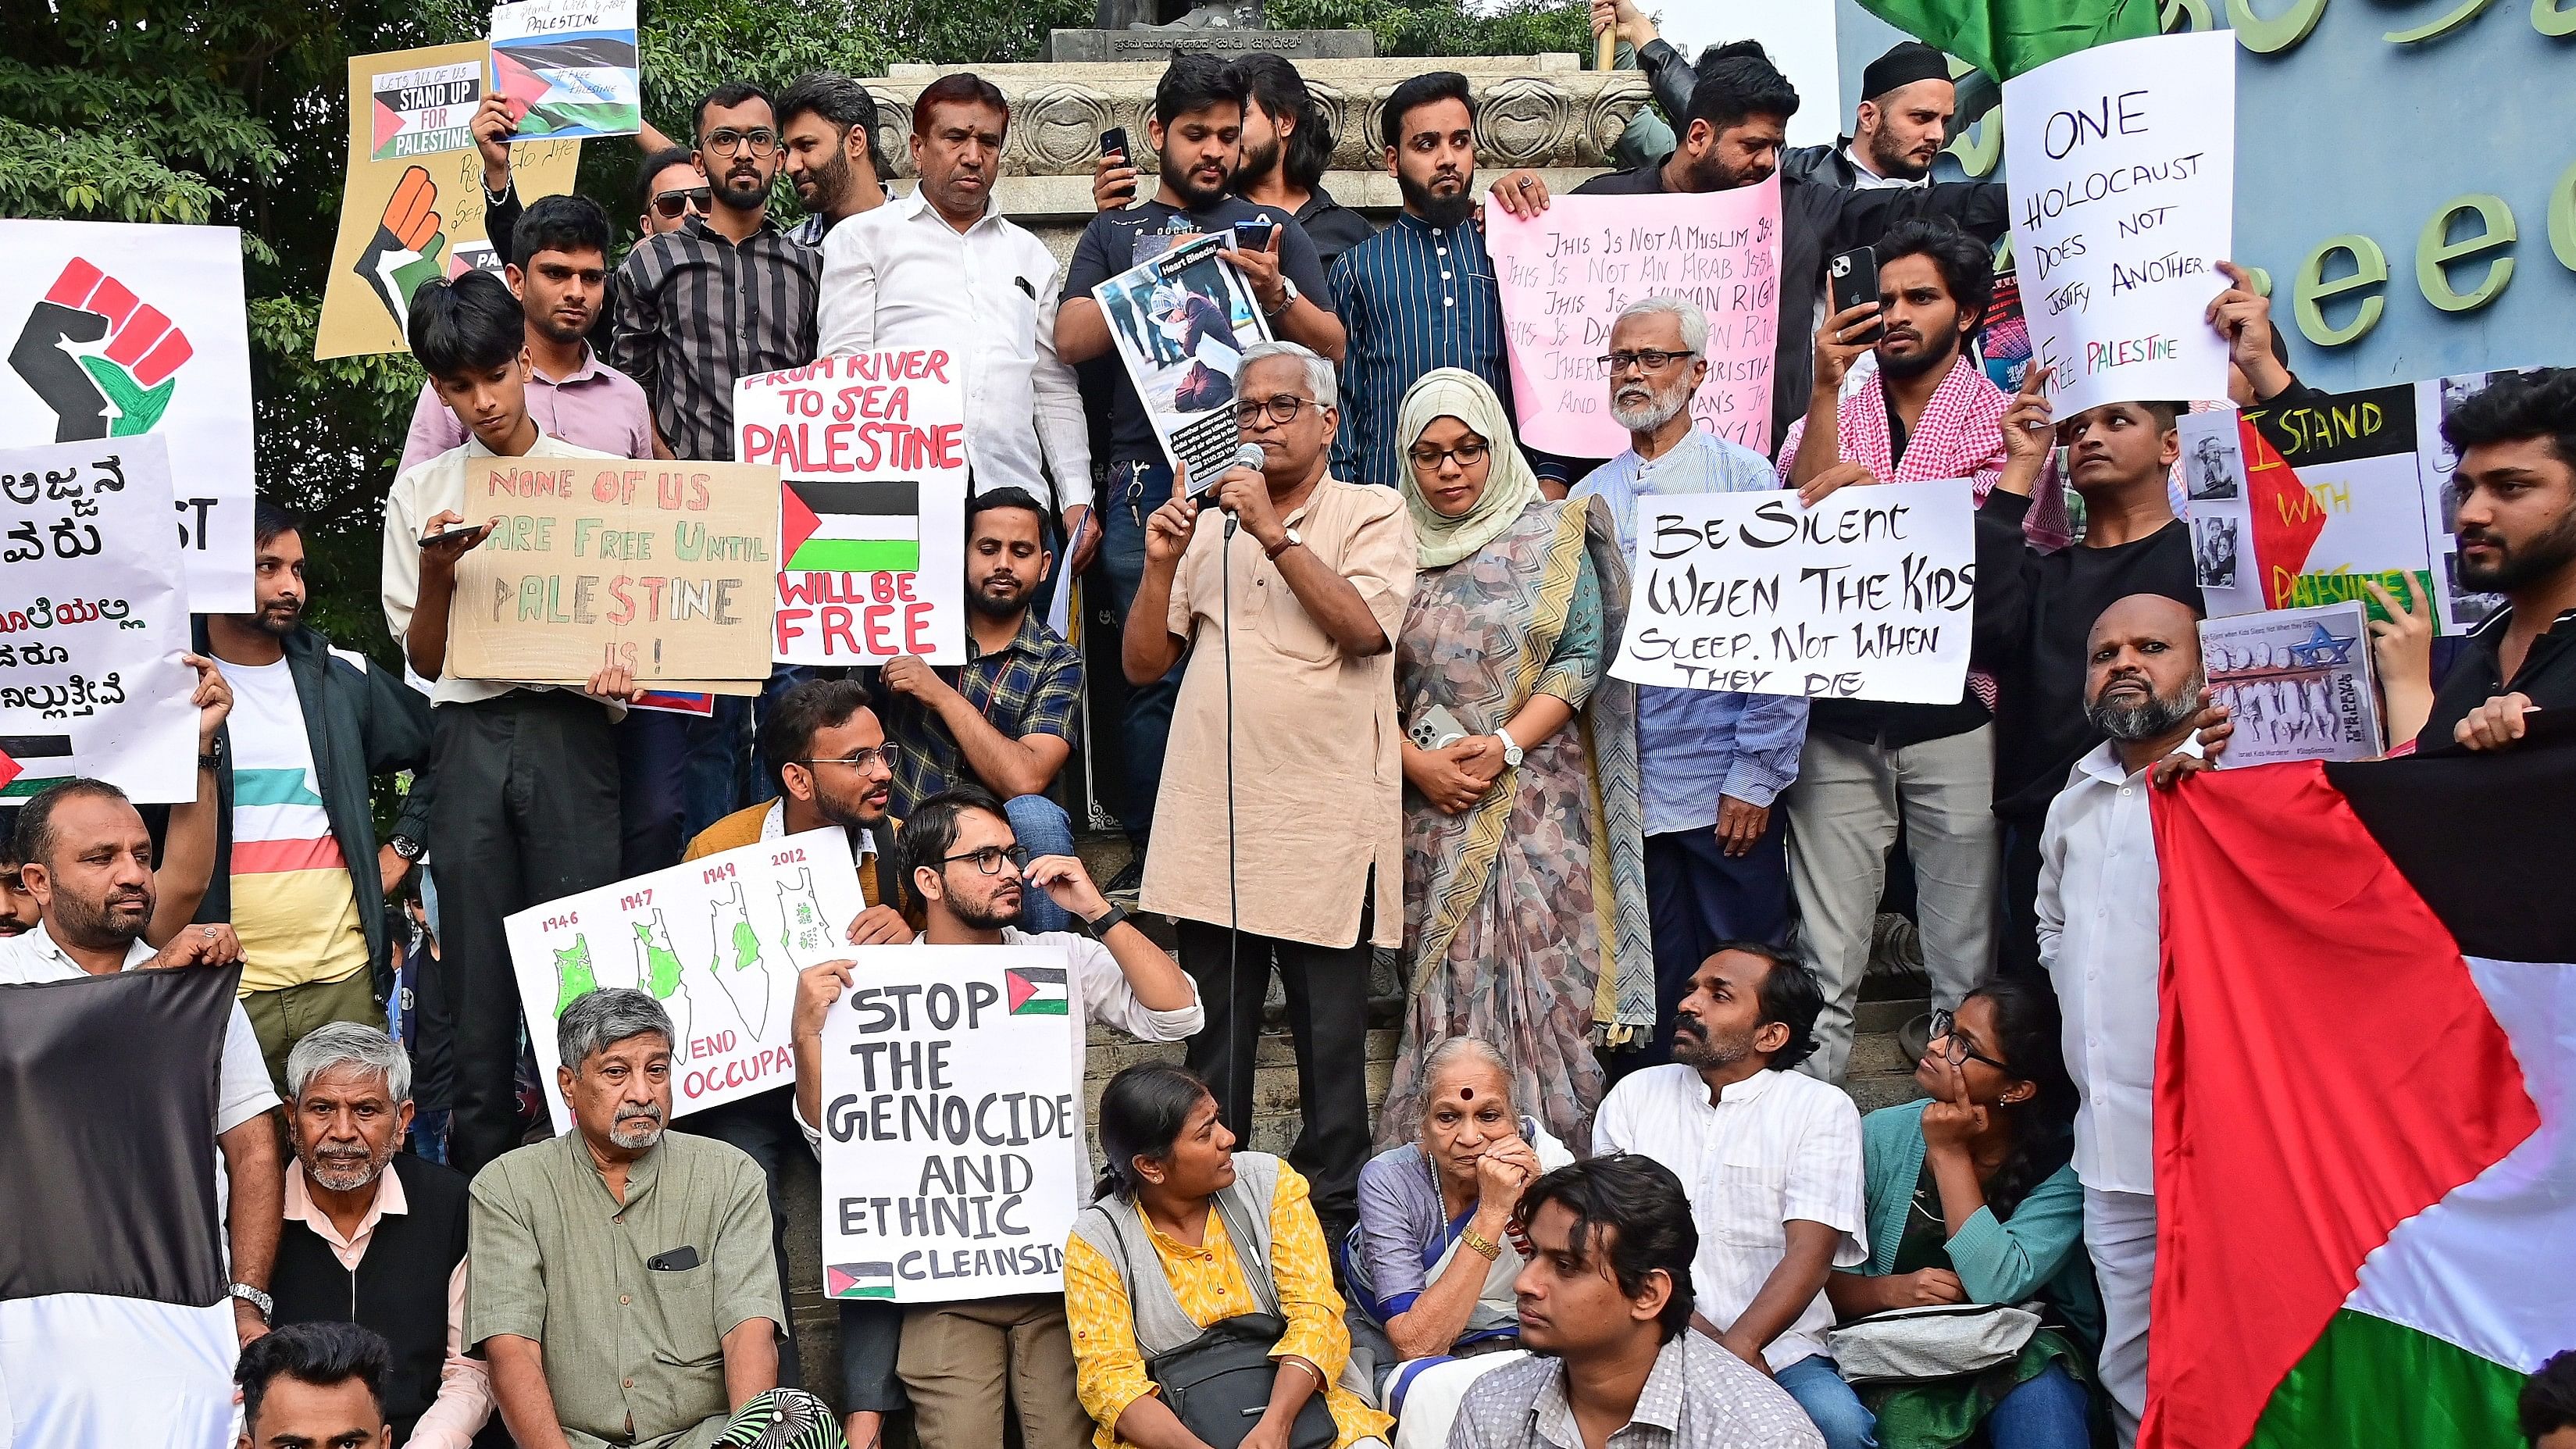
[526, 812]
[1327, 989]
[764, 1126]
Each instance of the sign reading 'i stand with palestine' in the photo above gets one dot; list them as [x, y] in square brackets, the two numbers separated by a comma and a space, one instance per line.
[871, 451]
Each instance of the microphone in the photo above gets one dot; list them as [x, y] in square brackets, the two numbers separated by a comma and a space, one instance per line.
[1246, 455]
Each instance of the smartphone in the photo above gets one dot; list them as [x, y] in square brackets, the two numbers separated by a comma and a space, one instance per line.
[1436, 729]
[1254, 236]
[1854, 276]
[1113, 142]
[462, 530]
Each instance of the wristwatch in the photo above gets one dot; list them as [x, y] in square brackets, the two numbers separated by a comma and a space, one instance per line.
[213, 757]
[1511, 747]
[408, 848]
[1107, 923]
[1288, 538]
[255, 1298]
[1288, 295]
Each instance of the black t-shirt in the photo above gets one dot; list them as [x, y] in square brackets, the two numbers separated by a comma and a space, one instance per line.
[1117, 240]
[1333, 228]
[2547, 676]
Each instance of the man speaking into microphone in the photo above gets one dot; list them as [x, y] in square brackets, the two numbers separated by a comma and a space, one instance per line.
[1281, 813]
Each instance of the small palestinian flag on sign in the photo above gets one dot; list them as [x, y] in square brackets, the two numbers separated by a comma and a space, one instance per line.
[28, 763]
[2365, 1100]
[851, 528]
[1036, 991]
[859, 1280]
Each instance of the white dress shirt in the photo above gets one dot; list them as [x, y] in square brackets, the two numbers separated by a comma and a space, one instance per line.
[2099, 936]
[1775, 1146]
[901, 276]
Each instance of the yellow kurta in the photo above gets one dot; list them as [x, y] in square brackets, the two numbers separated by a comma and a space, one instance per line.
[1319, 783]
[1209, 1283]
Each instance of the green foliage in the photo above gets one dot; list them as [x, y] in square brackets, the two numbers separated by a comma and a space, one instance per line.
[1446, 27]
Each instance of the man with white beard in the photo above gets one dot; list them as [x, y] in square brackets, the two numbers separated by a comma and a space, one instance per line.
[377, 1240]
[1710, 763]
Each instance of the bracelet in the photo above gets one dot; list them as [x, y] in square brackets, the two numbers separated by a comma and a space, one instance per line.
[1476, 1243]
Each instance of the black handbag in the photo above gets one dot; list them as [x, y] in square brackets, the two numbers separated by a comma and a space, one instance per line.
[1218, 1384]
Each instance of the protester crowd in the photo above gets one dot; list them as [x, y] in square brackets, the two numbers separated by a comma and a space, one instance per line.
[1615, 1192]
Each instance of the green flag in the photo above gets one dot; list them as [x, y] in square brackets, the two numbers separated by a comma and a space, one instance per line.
[2003, 38]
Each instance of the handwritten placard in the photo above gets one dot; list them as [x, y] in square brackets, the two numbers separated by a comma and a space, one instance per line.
[2296, 682]
[1568, 273]
[567, 68]
[93, 618]
[663, 567]
[2358, 513]
[1867, 595]
[871, 453]
[952, 1160]
[2122, 191]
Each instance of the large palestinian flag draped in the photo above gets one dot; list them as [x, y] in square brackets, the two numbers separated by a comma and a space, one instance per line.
[2365, 1100]
[114, 1327]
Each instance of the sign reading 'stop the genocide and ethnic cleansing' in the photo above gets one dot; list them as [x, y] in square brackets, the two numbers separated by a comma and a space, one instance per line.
[1567, 273]
[1870, 594]
[952, 1152]
[663, 567]
[871, 453]
[2122, 190]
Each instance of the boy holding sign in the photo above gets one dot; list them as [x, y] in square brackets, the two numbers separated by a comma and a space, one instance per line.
[526, 809]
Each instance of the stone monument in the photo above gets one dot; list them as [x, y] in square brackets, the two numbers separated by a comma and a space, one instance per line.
[1153, 29]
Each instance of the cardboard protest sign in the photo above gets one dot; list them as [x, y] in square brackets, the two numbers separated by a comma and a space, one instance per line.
[951, 1161]
[871, 453]
[1181, 322]
[669, 564]
[2122, 186]
[2360, 504]
[1567, 273]
[717, 940]
[567, 68]
[93, 619]
[2297, 682]
[2461, 609]
[1867, 595]
[117, 330]
[412, 209]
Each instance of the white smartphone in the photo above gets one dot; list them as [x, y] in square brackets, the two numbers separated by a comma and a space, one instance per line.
[1435, 729]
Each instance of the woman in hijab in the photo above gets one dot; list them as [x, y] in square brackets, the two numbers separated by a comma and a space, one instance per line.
[1524, 879]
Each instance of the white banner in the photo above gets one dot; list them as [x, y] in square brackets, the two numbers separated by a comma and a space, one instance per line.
[951, 1168]
[115, 330]
[92, 623]
[717, 940]
[2123, 194]
[1868, 595]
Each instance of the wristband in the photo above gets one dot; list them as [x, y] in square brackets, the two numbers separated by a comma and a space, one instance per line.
[1106, 923]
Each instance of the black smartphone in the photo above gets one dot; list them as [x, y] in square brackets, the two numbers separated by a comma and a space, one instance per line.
[461, 530]
[1254, 236]
[678, 1260]
[1854, 278]
[1113, 142]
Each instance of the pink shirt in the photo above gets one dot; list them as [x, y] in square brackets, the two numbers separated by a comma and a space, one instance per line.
[597, 407]
[464, 1401]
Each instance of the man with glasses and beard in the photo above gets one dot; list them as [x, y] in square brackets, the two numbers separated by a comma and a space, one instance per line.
[2099, 939]
[1711, 762]
[976, 883]
[2516, 490]
[375, 1239]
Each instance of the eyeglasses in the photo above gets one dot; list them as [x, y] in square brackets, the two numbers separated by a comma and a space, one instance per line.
[1653, 359]
[989, 859]
[688, 198]
[1282, 409]
[857, 759]
[1427, 460]
[1955, 1047]
[726, 141]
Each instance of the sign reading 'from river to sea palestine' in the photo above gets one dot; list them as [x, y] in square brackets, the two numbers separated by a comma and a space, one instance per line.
[2123, 185]
[1868, 595]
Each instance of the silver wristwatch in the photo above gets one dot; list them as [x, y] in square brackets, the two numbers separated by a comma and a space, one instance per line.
[266, 1305]
[1511, 747]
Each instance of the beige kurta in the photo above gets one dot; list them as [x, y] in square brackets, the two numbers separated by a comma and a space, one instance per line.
[1319, 783]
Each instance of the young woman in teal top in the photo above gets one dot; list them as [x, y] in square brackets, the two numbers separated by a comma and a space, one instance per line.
[1971, 1199]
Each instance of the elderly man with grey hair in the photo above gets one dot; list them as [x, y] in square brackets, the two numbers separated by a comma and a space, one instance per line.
[623, 1291]
[377, 1239]
[1711, 762]
[1278, 834]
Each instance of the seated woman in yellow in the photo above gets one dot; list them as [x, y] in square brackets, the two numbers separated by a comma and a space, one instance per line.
[1188, 1233]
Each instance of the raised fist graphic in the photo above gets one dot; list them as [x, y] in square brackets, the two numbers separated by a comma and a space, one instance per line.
[408, 249]
[117, 391]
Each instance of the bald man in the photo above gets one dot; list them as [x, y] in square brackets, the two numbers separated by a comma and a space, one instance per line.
[2098, 938]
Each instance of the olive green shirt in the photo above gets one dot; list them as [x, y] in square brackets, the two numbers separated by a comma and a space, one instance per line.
[634, 1355]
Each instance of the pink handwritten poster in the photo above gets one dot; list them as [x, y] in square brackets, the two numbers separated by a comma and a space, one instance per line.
[1568, 274]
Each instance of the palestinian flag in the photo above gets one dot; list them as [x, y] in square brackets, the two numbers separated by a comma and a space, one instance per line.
[28, 763]
[851, 528]
[2003, 38]
[582, 84]
[114, 1325]
[1036, 991]
[859, 1280]
[2365, 1100]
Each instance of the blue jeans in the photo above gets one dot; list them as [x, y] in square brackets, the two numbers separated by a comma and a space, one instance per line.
[1043, 829]
[1819, 1389]
[2049, 1411]
[1134, 492]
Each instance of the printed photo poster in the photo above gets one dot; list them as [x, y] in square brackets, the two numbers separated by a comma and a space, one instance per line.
[116, 330]
[2461, 610]
[1870, 594]
[567, 68]
[411, 210]
[1182, 322]
[2297, 682]
[93, 619]
[717, 940]
[2122, 193]
[2359, 511]
[871, 455]
[2226, 551]
[952, 1160]
[1568, 273]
